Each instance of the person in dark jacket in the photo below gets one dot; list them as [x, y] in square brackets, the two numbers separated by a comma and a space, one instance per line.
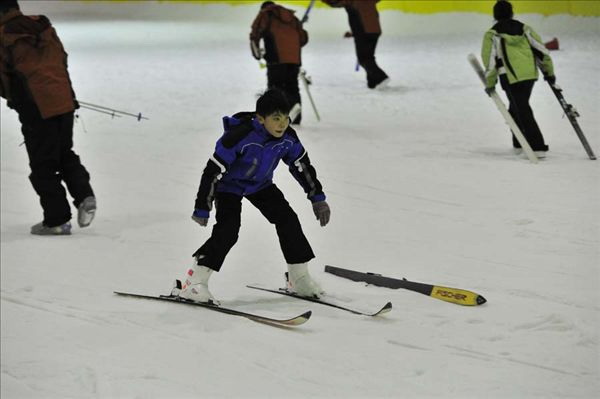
[35, 82]
[366, 30]
[283, 38]
[242, 166]
[514, 51]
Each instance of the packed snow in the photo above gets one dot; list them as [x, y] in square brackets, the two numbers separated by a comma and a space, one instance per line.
[422, 183]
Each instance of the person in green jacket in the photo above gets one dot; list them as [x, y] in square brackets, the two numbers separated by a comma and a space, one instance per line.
[513, 51]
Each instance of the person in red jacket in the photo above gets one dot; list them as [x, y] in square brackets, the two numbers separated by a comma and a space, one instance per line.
[364, 23]
[35, 82]
[283, 38]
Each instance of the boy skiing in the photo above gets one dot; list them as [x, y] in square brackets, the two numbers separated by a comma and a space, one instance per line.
[283, 38]
[242, 166]
[514, 51]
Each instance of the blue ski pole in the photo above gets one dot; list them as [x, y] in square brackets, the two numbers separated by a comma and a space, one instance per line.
[305, 16]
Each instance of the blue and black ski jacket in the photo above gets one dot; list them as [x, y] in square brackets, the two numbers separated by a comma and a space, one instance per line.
[245, 158]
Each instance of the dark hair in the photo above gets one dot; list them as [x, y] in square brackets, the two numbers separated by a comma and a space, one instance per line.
[272, 101]
[266, 4]
[6, 5]
[503, 10]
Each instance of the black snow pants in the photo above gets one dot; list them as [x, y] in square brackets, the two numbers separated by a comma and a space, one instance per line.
[49, 145]
[285, 78]
[274, 207]
[518, 96]
[365, 44]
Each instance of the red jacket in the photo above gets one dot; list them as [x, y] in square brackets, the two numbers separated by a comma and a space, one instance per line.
[282, 33]
[33, 67]
[362, 14]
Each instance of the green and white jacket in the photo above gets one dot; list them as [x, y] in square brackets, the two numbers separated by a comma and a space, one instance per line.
[513, 48]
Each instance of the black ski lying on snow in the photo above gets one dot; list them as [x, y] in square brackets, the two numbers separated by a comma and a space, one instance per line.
[294, 321]
[447, 294]
[282, 291]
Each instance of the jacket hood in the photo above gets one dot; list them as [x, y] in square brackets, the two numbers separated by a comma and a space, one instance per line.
[10, 15]
[283, 14]
[510, 27]
[16, 26]
[237, 120]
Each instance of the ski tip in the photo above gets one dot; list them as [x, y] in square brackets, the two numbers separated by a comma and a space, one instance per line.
[480, 300]
[296, 321]
[385, 309]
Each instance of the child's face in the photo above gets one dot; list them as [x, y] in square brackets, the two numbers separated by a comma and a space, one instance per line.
[276, 123]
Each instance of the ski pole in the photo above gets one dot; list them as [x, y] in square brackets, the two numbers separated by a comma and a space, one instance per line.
[109, 111]
[305, 16]
[112, 114]
[306, 82]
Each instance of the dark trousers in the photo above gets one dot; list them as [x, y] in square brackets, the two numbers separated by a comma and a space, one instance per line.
[285, 78]
[365, 44]
[49, 145]
[272, 204]
[518, 97]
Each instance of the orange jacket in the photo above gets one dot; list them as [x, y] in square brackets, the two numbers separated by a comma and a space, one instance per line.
[362, 14]
[33, 66]
[282, 33]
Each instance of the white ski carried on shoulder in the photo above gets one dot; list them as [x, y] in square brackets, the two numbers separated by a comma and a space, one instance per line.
[504, 111]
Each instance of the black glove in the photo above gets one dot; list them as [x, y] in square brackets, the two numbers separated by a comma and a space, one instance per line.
[322, 212]
[550, 79]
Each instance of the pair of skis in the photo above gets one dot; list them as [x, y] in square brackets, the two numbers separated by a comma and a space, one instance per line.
[569, 110]
[291, 322]
[572, 115]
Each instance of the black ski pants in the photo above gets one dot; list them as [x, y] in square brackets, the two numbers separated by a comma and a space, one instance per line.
[285, 78]
[518, 97]
[365, 44]
[49, 145]
[274, 207]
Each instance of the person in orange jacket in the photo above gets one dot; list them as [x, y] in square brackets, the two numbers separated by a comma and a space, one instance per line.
[283, 38]
[35, 82]
[366, 30]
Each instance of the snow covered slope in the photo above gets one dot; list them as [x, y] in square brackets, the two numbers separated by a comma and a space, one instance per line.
[422, 184]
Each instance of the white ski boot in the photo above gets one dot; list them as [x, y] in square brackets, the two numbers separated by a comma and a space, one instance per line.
[195, 285]
[300, 281]
[86, 211]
